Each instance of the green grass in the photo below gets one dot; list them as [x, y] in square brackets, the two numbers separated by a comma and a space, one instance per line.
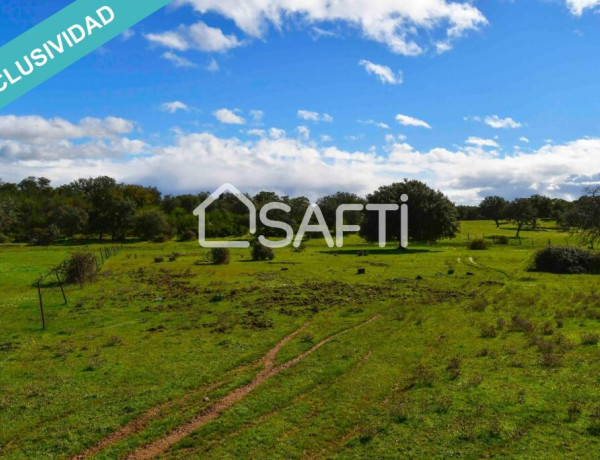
[524, 385]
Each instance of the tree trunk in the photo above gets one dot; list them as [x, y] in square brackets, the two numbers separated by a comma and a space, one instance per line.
[520, 226]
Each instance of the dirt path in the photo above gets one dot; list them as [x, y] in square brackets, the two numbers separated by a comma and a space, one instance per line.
[136, 426]
[213, 412]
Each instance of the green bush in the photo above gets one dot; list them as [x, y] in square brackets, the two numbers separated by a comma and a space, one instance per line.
[79, 267]
[220, 256]
[188, 235]
[260, 252]
[4, 238]
[501, 240]
[566, 260]
[151, 225]
[478, 245]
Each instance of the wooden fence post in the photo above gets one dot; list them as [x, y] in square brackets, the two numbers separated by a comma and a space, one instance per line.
[61, 288]
[39, 285]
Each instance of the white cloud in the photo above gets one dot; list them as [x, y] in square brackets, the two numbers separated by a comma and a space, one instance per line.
[314, 116]
[406, 26]
[411, 121]
[178, 61]
[229, 117]
[384, 73]
[479, 142]
[578, 7]
[257, 115]
[276, 133]
[501, 123]
[213, 66]
[37, 138]
[374, 123]
[173, 107]
[128, 34]
[198, 36]
[36, 129]
[524, 139]
[326, 138]
[293, 165]
[257, 132]
[304, 132]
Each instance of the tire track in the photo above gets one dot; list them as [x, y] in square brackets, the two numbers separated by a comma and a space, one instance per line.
[159, 446]
[139, 424]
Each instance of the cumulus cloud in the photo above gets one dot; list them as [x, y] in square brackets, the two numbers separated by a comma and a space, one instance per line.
[36, 129]
[384, 73]
[38, 138]
[63, 151]
[479, 142]
[404, 26]
[501, 123]
[229, 117]
[578, 7]
[304, 132]
[173, 107]
[405, 120]
[314, 116]
[198, 36]
[524, 139]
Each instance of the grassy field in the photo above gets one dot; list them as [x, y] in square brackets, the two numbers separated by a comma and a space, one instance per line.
[436, 352]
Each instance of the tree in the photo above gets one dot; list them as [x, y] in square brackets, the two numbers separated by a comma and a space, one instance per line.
[493, 207]
[432, 216]
[329, 205]
[151, 224]
[8, 214]
[586, 216]
[543, 206]
[70, 220]
[522, 212]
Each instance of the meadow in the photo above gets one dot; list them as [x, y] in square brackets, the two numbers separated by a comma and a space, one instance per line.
[438, 352]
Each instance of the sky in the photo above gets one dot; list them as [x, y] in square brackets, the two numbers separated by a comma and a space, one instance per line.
[308, 97]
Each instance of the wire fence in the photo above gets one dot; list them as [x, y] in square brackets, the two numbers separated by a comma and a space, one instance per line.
[54, 278]
[535, 242]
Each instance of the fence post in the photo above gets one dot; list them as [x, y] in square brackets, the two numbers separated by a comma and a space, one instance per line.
[39, 285]
[61, 288]
[79, 271]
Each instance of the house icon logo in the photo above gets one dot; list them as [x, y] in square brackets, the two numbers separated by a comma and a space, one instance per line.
[200, 211]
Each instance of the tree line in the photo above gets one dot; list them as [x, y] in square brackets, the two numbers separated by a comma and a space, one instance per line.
[35, 212]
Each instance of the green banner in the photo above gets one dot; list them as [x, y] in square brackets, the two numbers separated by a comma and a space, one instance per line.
[63, 39]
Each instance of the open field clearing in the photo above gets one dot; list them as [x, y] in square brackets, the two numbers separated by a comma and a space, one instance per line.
[438, 351]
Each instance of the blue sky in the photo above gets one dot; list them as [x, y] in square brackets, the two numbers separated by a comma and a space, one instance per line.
[310, 97]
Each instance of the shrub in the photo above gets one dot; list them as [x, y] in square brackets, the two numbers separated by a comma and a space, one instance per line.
[158, 260]
[478, 245]
[220, 256]
[44, 237]
[488, 331]
[150, 225]
[260, 252]
[590, 339]
[188, 235]
[501, 240]
[79, 267]
[3, 238]
[161, 239]
[566, 260]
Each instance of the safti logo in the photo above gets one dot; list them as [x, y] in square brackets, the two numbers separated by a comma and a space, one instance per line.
[305, 227]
